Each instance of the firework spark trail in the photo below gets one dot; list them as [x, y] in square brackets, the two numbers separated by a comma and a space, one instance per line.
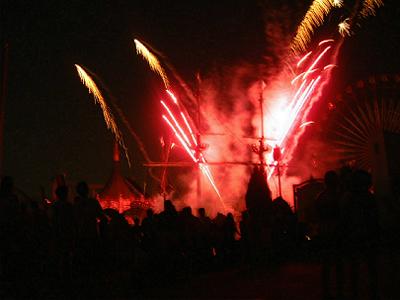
[175, 100]
[303, 59]
[107, 115]
[152, 60]
[344, 28]
[302, 96]
[314, 17]
[187, 145]
[155, 65]
[369, 7]
[181, 135]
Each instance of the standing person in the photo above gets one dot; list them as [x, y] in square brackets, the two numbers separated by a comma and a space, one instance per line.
[361, 231]
[205, 237]
[62, 221]
[10, 228]
[229, 234]
[87, 213]
[329, 213]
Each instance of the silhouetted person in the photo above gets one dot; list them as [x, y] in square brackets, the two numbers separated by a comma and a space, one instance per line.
[119, 240]
[229, 234]
[218, 235]
[259, 206]
[62, 220]
[10, 228]
[167, 225]
[283, 227]
[244, 227]
[361, 230]
[149, 230]
[329, 214]
[189, 226]
[205, 237]
[136, 231]
[87, 214]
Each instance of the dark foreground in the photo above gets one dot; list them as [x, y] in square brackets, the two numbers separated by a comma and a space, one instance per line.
[295, 279]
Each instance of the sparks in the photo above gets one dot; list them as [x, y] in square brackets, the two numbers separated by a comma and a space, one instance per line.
[337, 3]
[344, 28]
[303, 59]
[330, 66]
[305, 83]
[107, 115]
[325, 41]
[172, 96]
[314, 17]
[307, 124]
[190, 147]
[152, 60]
[369, 7]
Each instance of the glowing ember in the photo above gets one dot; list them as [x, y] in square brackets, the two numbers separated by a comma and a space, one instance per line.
[344, 28]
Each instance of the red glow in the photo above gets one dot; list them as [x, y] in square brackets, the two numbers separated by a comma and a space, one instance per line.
[305, 83]
[326, 41]
[301, 61]
[187, 145]
[317, 60]
[172, 96]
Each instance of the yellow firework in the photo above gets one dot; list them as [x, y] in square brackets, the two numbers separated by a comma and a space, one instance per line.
[344, 28]
[98, 98]
[313, 18]
[152, 60]
[369, 7]
[337, 3]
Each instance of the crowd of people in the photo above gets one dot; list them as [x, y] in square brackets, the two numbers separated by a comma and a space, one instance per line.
[63, 242]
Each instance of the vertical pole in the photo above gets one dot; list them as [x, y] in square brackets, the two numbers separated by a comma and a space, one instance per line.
[198, 147]
[262, 147]
[279, 179]
[4, 78]
[197, 155]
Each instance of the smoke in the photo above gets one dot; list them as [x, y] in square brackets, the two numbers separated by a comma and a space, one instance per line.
[226, 106]
[231, 119]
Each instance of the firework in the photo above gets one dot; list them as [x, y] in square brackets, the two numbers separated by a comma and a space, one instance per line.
[337, 3]
[344, 28]
[107, 114]
[152, 60]
[314, 17]
[369, 7]
[311, 71]
[191, 147]
[306, 124]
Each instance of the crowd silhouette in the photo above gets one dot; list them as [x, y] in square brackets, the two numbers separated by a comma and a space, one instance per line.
[77, 247]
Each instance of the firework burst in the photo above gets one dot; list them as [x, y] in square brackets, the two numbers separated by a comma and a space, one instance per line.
[191, 145]
[152, 60]
[314, 17]
[369, 7]
[344, 28]
[107, 114]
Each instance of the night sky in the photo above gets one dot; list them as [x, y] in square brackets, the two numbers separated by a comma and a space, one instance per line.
[52, 125]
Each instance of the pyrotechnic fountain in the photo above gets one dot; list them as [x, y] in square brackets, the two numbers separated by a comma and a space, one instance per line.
[286, 117]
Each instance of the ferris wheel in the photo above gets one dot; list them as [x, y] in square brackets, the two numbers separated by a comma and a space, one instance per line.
[364, 122]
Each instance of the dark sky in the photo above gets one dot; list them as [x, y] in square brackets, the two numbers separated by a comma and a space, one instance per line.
[51, 123]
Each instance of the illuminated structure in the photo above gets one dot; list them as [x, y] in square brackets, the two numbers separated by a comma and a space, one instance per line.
[119, 193]
[364, 129]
